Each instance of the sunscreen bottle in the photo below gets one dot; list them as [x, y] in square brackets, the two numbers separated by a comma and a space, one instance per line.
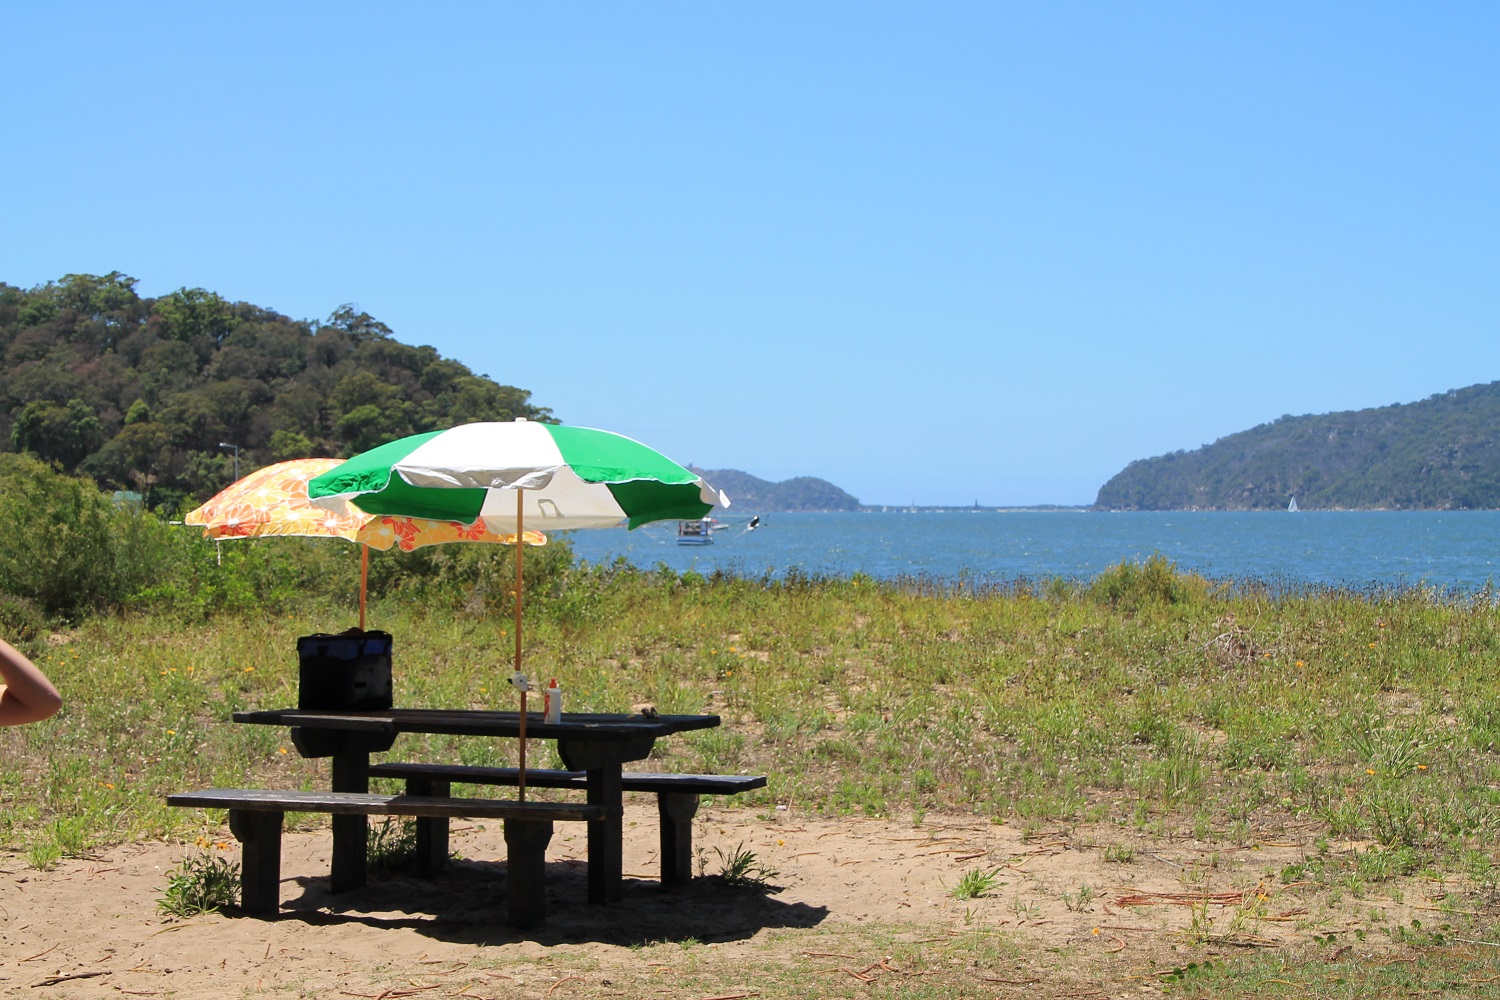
[552, 702]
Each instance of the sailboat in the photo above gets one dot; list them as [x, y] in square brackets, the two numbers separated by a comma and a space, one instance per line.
[1292, 506]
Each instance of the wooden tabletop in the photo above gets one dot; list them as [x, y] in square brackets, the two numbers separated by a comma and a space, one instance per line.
[467, 722]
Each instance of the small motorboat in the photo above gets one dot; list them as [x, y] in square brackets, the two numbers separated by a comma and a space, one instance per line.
[697, 532]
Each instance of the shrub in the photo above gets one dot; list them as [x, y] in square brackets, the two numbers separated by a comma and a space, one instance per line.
[1132, 586]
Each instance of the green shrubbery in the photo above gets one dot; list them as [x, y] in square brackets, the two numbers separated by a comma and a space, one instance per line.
[1131, 586]
[73, 551]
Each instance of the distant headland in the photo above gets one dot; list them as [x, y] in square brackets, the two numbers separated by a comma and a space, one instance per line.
[802, 493]
[1441, 453]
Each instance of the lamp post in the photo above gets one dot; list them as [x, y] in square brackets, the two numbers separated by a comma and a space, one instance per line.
[226, 444]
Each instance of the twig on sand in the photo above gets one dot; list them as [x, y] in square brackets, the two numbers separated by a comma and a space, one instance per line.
[732, 996]
[1181, 898]
[1116, 937]
[564, 979]
[825, 954]
[41, 953]
[1009, 982]
[53, 981]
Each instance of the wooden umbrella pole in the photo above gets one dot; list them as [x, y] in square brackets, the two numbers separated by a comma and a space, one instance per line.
[364, 576]
[520, 528]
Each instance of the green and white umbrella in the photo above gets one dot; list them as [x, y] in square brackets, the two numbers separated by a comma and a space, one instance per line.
[563, 477]
[510, 475]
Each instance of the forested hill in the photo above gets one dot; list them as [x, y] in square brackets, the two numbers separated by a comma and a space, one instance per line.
[749, 493]
[143, 393]
[1442, 453]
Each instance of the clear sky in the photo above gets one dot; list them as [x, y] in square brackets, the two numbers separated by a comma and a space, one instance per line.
[933, 252]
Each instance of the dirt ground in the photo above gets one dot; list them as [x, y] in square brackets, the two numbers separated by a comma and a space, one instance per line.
[1069, 908]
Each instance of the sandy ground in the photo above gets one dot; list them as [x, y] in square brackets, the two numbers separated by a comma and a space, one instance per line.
[89, 928]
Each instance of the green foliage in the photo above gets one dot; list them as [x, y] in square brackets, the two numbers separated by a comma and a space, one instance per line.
[975, 883]
[138, 393]
[742, 868]
[68, 552]
[392, 845]
[82, 553]
[205, 882]
[1131, 586]
[1441, 453]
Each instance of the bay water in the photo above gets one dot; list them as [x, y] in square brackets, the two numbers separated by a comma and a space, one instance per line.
[1444, 550]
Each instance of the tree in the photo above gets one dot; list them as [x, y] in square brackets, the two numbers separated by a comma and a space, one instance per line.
[358, 326]
[61, 434]
[193, 316]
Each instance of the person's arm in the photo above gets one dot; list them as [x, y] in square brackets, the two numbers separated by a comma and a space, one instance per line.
[26, 696]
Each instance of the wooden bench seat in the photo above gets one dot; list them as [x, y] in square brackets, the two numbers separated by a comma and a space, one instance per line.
[255, 819]
[677, 798]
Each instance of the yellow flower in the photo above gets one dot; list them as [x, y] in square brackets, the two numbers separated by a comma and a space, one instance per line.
[281, 750]
[171, 732]
[1096, 930]
[1369, 770]
[1372, 645]
[249, 670]
[780, 842]
[1421, 767]
[1301, 663]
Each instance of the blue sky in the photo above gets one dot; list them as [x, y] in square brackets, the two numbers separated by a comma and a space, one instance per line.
[933, 252]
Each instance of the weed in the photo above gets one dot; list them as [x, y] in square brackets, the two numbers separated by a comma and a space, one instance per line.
[1078, 902]
[975, 883]
[43, 855]
[392, 846]
[1393, 750]
[1200, 924]
[742, 868]
[204, 882]
[1120, 854]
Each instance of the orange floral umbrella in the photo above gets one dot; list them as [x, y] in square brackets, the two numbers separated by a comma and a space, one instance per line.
[273, 501]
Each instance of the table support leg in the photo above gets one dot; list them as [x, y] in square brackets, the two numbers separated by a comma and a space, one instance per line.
[259, 834]
[432, 831]
[606, 862]
[351, 773]
[675, 812]
[525, 870]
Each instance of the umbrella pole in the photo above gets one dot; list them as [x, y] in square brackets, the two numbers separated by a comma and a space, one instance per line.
[521, 772]
[364, 576]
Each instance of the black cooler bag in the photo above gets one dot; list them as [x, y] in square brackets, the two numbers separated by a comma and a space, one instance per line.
[348, 670]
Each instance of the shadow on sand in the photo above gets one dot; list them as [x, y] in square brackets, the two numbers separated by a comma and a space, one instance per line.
[466, 904]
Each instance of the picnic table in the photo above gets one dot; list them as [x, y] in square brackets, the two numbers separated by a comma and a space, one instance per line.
[596, 744]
